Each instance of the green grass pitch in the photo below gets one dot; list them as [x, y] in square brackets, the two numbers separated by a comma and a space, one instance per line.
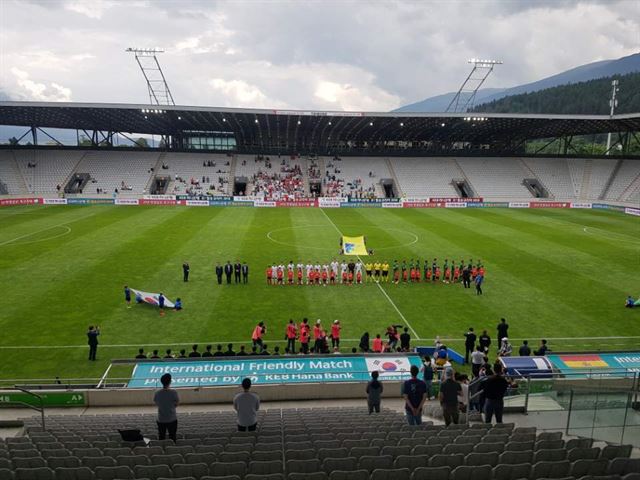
[551, 273]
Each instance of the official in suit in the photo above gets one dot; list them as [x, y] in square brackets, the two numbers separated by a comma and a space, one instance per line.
[219, 272]
[245, 272]
[237, 269]
[228, 271]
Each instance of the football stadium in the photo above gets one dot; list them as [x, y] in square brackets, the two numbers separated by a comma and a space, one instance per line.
[406, 295]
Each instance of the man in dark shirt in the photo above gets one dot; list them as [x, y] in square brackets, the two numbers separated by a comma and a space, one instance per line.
[414, 392]
[230, 352]
[92, 337]
[485, 341]
[185, 271]
[264, 350]
[194, 352]
[237, 268]
[503, 328]
[494, 389]
[524, 350]
[219, 272]
[228, 271]
[449, 392]
[541, 352]
[245, 272]
[466, 277]
[219, 352]
[141, 354]
[469, 343]
[352, 267]
[242, 352]
[154, 354]
[207, 352]
[254, 350]
[405, 340]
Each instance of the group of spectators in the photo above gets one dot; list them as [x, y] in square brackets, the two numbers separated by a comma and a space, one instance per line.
[286, 184]
[393, 341]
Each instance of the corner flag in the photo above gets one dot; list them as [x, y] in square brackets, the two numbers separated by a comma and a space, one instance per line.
[354, 246]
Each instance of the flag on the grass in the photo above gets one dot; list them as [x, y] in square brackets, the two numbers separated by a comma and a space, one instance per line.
[150, 298]
[354, 246]
[583, 361]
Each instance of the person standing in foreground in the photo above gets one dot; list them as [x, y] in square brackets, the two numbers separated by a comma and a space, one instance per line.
[185, 272]
[478, 281]
[405, 340]
[450, 390]
[477, 360]
[374, 393]
[469, 344]
[503, 330]
[291, 333]
[414, 392]
[127, 296]
[246, 404]
[428, 377]
[245, 272]
[237, 268]
[228, 271]
[92, 336]
[335, 334]
[494, 389]
[258, 332]
[219, 272]
[166, 399]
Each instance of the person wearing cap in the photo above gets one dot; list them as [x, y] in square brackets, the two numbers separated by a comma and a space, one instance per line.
[505, 348]
[335, 334]
[449, 397]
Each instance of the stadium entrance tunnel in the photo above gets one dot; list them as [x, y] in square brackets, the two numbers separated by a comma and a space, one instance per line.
[536, 188]
[240, 185]
[160, 185]
[389, 188]
[463, 188]
[77, 183]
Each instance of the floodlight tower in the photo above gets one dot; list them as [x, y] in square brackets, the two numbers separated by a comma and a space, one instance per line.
[465, 98]
[147, 59]
[613, 103]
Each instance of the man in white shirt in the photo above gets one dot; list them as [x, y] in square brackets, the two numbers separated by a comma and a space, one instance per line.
[343, 270]
[246, 404]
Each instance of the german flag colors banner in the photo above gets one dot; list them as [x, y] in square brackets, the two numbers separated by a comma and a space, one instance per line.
[354, 246]
[584, 361]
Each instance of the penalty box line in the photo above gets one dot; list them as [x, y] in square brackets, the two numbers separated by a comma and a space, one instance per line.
[241, 342]
[404, 319]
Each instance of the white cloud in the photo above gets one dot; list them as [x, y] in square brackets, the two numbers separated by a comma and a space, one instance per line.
[240, 93]
[31, 90]
[348, 97]
[93, 9]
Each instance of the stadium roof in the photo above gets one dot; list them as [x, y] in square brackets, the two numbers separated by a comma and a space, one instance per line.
[306, 129]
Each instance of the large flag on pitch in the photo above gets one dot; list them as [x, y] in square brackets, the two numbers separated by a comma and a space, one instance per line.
[151, 298]
[354, 246]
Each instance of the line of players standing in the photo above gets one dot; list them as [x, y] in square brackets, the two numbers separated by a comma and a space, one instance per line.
[239, 272]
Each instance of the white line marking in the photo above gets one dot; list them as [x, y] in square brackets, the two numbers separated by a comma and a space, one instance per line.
[600, 232]
[245, 341]
[377, 283]
[6, 242]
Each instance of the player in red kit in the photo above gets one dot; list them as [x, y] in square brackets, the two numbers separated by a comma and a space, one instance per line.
[290, 277]
[269, 275]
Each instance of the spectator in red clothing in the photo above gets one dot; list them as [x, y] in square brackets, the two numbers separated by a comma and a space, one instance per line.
[291, 336]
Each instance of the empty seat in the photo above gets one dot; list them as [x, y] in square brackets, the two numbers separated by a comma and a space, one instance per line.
[212, 448]
[170, 460]
[370, 463]
[26, 453]
[583, 454]
[47, 453]
[622, 466]
[489, 447]
[152, 472]
[616, 451]
[431, 473]
[518, 446]
[178, 449]
[550, 436]
[550, 469]
[395, 451]
[87, 452]
[579, 443]
[269, 476]
[67, 462]
[112, 473]
[465, 472]
[78, 473]
[554, 455]
[344, 464]
[115, 452]
[349, 475]
[132, 460]
[148, 451]
[29, 462]
[219, 469]
[265, 468]
[549, 444]
[206, 458]
[411, 461]
[512, 458]
[451, 461]
[303, 466]
[230, 457]
[584, 467]
[429, 450]
[334, 452]
[307, 454]
[390, 474]
[195, 470]
[93, 462]
[477, 459]
[453, 449]
[511, 472]
[41, 473]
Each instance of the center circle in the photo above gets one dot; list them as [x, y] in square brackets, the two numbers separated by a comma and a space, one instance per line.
[276, 236]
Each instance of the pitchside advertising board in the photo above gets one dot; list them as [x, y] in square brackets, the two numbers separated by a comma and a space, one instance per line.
[55, 399]
[628, 362]
[281, 370]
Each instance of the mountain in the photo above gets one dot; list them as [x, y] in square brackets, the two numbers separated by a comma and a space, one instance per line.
[583, 73]
[582, 98]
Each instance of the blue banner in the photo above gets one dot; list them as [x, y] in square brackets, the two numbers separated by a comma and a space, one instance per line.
[274, 370]
[220, 203]
[359, 204]
[90, 201]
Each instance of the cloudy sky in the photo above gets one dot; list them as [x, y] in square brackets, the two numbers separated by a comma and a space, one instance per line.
[328, 55]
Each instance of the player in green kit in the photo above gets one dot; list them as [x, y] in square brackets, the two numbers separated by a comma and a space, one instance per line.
[396, 272]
